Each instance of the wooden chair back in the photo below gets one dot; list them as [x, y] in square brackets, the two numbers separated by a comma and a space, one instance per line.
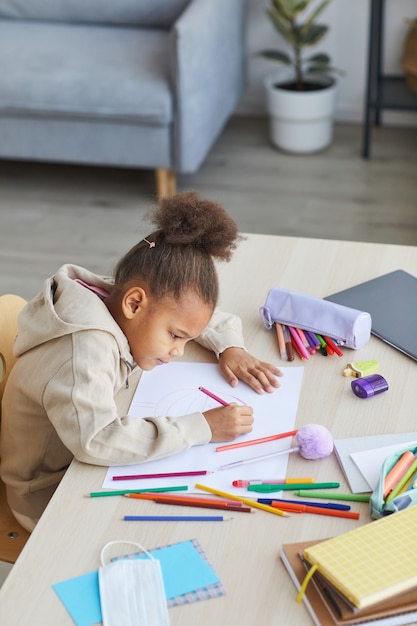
[12, 535]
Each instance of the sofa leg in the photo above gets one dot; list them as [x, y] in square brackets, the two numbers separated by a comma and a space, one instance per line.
[165, 183]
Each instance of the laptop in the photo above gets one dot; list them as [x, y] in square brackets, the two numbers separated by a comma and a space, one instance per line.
[391, 300]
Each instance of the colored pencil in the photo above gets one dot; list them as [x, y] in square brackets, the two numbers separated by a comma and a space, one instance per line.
[204, 504]
[253, 442]
[303, 508]
[181, 498]
[213, 396]
[175, 518]
[248, 501]
[298, 343]
[281, 341]
[327, 505]
[333, 495]
[163, 475]
[122, 492]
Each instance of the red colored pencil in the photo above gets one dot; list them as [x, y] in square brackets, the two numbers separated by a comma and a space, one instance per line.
[303, 508]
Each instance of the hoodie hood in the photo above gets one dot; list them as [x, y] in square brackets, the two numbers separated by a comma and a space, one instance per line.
[64, 307]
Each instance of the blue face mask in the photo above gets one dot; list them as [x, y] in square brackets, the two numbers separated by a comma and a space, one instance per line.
[132, 591]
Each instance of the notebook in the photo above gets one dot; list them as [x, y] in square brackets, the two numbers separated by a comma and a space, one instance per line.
[391, 300]
[373, 562]
[327, 609]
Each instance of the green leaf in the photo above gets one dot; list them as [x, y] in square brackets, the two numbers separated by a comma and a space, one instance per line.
[316, 13]
[312, 35]
[321, 58]
[282, 25]
[276, 55]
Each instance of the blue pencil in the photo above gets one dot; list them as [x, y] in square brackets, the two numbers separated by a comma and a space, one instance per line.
[175, 518]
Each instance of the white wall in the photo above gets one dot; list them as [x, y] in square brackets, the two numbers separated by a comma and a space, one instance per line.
[347, 44]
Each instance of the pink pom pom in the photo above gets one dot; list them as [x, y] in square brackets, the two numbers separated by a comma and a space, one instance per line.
[314, 441]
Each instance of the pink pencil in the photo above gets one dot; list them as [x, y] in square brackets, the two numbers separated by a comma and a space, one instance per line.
[164, 475]
[253, 442]
[212, 395]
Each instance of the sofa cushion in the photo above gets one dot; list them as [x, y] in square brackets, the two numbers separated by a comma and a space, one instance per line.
[86, 71]
[153, 13]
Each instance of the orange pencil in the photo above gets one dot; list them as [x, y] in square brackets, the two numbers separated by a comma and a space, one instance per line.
[252, 442]
[159, 496]
[281, 341]
[303, 508]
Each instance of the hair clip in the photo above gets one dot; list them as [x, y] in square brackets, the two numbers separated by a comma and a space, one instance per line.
[151, 243]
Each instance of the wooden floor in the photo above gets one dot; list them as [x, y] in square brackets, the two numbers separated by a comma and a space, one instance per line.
[54, 214]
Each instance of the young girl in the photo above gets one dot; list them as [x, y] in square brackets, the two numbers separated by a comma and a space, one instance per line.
[84, 340]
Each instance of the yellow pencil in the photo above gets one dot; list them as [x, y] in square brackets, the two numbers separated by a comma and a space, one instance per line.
[248, 501]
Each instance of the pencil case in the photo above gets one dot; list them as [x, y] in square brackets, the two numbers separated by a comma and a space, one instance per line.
[352, 328]
[378, 506]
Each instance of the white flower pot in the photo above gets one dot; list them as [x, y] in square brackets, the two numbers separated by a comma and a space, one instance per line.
[301, 121]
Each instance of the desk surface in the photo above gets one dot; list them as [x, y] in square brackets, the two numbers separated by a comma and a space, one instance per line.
[244, 552]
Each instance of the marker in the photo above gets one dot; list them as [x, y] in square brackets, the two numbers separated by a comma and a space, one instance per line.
[163, 475]
[176, 518]
[328, 505]
[267, 488]
[298, 344]
[253, 442]
[284, 481]
[213, 396]
[333, 346]
[248, 501]
[288, 345]
[403, 480]
[123, 492]
[330, 495]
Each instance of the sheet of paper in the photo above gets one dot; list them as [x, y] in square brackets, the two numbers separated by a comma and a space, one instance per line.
[345, 447]
[174, 391]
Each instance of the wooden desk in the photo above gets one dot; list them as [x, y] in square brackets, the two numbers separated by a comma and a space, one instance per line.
[70, 535]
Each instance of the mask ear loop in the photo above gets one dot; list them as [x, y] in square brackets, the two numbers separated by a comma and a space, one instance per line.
[132, 543]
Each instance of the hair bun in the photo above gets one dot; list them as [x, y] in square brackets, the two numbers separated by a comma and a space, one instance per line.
[187, 219]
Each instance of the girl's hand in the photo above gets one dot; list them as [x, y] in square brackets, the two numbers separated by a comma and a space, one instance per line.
[236, 364]
[227, 423]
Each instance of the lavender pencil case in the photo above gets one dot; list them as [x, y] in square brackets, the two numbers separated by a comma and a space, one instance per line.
[352, 328]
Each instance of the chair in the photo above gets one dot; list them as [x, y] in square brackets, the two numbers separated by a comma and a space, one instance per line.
[144, 84]
[12, 536]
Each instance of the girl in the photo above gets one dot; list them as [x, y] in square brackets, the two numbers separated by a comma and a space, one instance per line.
[85, 339]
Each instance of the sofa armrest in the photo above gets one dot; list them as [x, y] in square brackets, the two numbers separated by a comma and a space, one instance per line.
[208, 74]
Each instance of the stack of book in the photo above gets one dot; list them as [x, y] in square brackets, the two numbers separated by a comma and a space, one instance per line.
[366, 575]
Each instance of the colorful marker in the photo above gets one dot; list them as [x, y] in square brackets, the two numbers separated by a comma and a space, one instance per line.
[283, 481]
[267, 488]
[330, 495]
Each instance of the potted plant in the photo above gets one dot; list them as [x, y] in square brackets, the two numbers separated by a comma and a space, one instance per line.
[301, 101]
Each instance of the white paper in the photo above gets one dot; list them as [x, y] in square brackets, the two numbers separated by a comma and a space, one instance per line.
[174, 390]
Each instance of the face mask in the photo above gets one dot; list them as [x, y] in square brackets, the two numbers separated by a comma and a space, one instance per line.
[132, 591]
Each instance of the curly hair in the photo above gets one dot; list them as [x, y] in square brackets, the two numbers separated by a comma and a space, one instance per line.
[179, 255]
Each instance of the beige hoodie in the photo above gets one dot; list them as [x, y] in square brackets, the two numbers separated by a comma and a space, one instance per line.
[69, 392]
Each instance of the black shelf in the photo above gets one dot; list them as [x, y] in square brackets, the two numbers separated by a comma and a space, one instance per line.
[383, 91]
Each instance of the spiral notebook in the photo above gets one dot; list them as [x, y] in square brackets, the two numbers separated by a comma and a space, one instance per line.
[391, 300]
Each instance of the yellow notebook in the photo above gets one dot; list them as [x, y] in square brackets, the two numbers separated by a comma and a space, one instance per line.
[373, 562]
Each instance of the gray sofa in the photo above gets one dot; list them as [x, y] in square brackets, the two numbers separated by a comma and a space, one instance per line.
[129, 83]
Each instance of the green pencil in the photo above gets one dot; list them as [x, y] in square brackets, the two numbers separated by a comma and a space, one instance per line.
[333, 495]
[122, 492]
